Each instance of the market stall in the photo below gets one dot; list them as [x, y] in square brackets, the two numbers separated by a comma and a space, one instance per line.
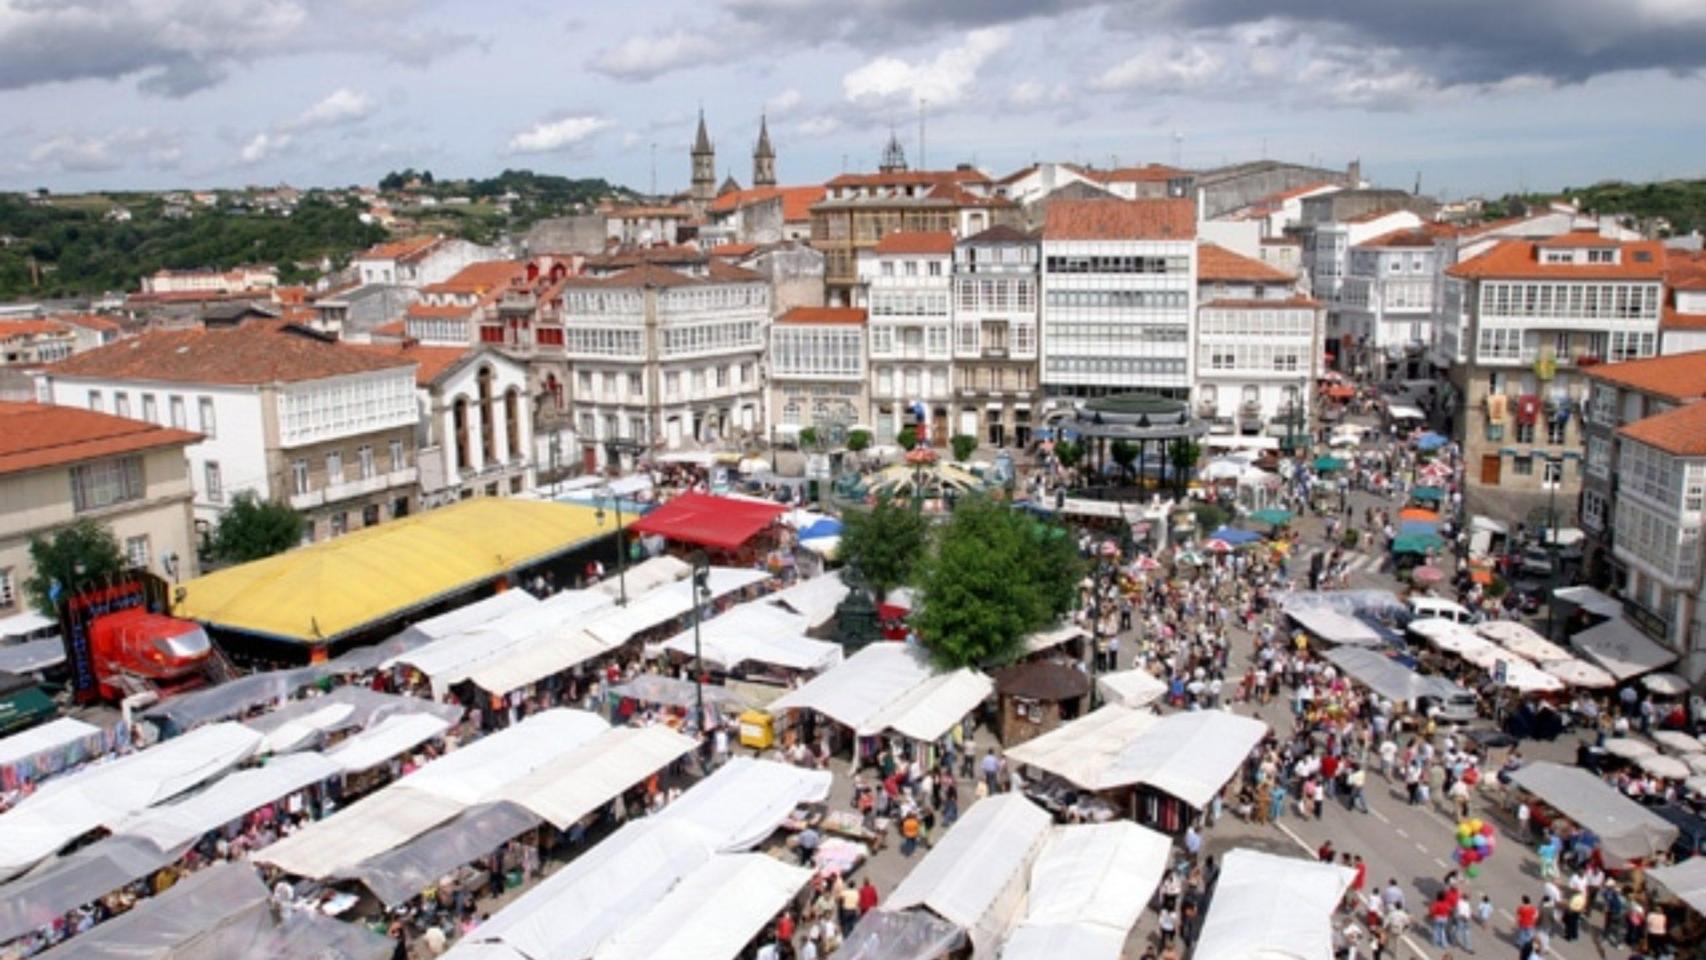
[577, 783]
[307, 723]
[891, 687]
[1131, 688]
[1389, 678]
[1331, 626]
[1269, 906]
[104, 794]
[391, 737]
[32, 656]
[1088, 888]
[760, 633]
[976, 876]
[51, 748]
[1626, 830]
[396, 876]
[1034, 698]
[455, 657]
[697, 919]
[815, 599]
[1622, 649]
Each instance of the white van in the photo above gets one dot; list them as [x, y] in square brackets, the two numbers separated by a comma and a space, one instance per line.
[1437, 608]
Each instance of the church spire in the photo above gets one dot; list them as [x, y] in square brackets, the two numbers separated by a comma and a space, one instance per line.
[763, 156]
[704, 159]
[894, 156]
[702, 141]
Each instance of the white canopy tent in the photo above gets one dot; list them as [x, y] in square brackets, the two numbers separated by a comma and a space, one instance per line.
[1269, 906]
[891, 686]
[976, 876]
[455, 782]
[1404, 411]
[32, 655]
[699, 919]
[1622, 649]
[607, 889]
[657, 607]
[47, 738]
[1131, 688]
[174, 825]
[1686, 881]
[25, 624]
[645, 577]
[1388, 677]
[577, 783]
[760, 632]
[1088, 887]
[1522, 640]
[1083, 750]
[1626, 830]
[471, 615]
[814, 599]
[1590, 600]
[391, 737]
[454, 658]
[1190, 755]
[1055, 636]
[1334, 627]
[104, 794]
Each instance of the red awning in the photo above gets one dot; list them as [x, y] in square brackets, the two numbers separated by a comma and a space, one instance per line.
[722, 523]
[1341, 392]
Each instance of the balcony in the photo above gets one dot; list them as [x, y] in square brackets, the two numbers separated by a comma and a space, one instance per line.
[349, 489]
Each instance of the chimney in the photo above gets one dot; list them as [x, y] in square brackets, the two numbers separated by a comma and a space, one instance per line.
[1353, 173]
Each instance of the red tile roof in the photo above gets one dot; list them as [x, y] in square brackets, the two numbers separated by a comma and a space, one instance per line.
[1121, 220]
[823, 315]
[641, 212]
[395, 328]
[1671, 320]
[1685, 269]
[1680, 432]
[733, 251]
[90, 321]
[916, 241]
[1676, 376]
[1215, 263]
[1518, 259]
[1148, 173]
[796, 201]
[427, 311]
[1230, 303]
[410, 249]
[1578, 238]
[1422, 236]
[30, 327]
[251, 353]
[34, 436]
[905, 177]
[479, 278]
[434, 361]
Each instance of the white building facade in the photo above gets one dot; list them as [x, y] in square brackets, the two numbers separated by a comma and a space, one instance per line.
[1386, 303]
[996, 343]
[1258, 344]
[818, 372]
[906, 284]
[1118, 298]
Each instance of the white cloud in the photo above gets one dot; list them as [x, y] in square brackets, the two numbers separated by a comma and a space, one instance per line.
[819, 126]
[263, 146]
[340, 107]
[942, 80]
[1178, 70]
[784, 103]
[1027, 94]
[553, 135]
[72, 153]
[645, 57]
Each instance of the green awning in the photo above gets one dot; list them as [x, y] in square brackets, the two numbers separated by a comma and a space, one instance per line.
[25, 707]
[1272, 515]
[1328, 464]
[1417, 543]
[1428, 493]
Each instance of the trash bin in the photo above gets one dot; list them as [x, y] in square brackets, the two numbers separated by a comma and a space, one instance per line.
[757, 729]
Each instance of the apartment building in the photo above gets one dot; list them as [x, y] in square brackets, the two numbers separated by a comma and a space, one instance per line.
[906, 284]
[1118, 298]
[859, 209]
[1538, 314]
[1386, 302]
[1258, 346]
[418, 261]
[996, 319]
[663, 358]
[282, 410]
[818, 373]
[59, 465]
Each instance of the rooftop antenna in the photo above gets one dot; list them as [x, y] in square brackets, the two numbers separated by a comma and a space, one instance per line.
[1178, 146]
[1418, 191]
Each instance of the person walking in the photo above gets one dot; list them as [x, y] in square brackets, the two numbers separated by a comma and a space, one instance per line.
[1439, 919]
[1460, 915]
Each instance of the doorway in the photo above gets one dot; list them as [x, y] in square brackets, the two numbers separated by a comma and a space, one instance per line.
[1490, 465]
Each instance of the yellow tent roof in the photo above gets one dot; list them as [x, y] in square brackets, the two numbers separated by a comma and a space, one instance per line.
[328, 589]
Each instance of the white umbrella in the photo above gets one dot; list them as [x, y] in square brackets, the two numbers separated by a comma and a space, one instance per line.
[1659, 765]
[1580, 673]
[1695, 761]
[1627, 749]
[1678, 742]
[1665, 684]
[1696, 785]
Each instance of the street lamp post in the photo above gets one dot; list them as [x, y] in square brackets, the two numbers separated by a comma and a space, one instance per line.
[1099, 580]
[701, 591]
[621, 545]
[1552, 540]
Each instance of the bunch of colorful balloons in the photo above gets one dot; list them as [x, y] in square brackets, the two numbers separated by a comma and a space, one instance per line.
[1475, 843]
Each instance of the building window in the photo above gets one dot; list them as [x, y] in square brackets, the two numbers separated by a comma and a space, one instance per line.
[1555, 431]
[136, 552]
[364, 454]
[97, 485]
[340, 523]
[8, 592]
[121, 404]
[299, 476]
[1525, 433]
[636, 386]
[1523, 466]
[370, 515]
[208, 427]
[150, 409]
[397, 456]
[1554, 473]
[179, 418]
[935, 268]
[335, 467]
[95, 400]
[215, 489]
[1593, 510]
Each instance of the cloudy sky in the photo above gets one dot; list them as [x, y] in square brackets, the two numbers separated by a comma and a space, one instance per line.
[1472, 95]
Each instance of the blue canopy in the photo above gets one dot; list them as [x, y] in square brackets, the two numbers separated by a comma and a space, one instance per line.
[1430, 441]
[827, 527]
[1235, 536]
[1417, 527]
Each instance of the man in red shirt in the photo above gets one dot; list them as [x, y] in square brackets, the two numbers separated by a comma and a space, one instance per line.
[867, 897]
[1527, 918]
